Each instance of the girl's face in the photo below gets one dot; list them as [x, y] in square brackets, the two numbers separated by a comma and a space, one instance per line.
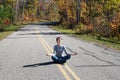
[59, 41]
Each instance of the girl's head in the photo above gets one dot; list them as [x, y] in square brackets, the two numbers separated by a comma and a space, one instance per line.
[58, 40]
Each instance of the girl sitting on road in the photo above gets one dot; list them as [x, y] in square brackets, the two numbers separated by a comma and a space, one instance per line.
[58, 50]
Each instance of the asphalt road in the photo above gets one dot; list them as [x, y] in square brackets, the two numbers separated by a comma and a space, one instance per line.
[22, 57]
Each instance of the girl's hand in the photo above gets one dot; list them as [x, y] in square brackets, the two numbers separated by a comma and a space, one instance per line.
[48, 54]
[75, 53]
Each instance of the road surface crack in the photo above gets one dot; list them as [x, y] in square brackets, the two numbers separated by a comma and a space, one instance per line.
[99, 59]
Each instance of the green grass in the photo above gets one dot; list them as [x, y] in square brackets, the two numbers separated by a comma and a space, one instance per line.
[8, 30]
[103, 42]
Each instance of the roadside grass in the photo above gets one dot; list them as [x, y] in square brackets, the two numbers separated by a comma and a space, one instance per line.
[8, 30]
[103, 42]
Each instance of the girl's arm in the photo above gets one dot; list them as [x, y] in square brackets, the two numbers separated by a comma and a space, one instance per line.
[54, 52]
[75, 53]
[66, 52]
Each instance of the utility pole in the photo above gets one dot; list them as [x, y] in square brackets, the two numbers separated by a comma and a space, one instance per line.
[23, 13]
[17, 10]
[23, 6]
[13, 12]
[78, 11]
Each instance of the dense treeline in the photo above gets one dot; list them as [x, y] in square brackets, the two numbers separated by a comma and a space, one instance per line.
[99, 18]
[22, 11]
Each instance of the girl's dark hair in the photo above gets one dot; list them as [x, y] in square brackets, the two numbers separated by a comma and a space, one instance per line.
[58, 38]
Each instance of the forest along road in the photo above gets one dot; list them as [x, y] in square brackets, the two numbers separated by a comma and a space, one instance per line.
[22, 57]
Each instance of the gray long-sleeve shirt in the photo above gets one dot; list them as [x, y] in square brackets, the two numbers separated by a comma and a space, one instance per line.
[58, 50]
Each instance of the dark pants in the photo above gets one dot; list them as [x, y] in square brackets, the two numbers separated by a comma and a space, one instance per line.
[61, 59]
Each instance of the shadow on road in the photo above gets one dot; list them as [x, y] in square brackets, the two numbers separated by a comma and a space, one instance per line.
[46, 23]
[98, 66]
[44, 33]
[39, 64]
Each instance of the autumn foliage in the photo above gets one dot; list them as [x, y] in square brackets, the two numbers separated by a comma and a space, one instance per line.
[99, 18]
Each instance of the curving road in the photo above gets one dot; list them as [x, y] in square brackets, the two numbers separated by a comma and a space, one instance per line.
[22, 57]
